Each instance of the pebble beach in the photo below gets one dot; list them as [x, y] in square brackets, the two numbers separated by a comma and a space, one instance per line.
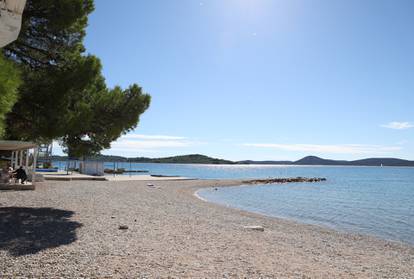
[127, 229]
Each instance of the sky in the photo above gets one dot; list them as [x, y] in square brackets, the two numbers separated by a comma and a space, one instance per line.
[262, 79]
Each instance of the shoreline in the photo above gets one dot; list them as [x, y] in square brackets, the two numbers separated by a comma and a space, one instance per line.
[173, 233]
[298, 221]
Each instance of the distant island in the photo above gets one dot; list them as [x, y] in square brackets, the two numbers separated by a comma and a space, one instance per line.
[316, 161]
[202, 159]
[184, 159]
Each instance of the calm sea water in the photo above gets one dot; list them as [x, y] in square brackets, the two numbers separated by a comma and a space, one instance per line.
[368, 200]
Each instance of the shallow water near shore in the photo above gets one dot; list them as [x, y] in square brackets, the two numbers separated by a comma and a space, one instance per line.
[367, 200]
[377, 201]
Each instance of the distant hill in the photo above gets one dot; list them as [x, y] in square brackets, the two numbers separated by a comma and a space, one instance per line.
[313, 161]
[202, 159]
[184, 159]
[384, 161]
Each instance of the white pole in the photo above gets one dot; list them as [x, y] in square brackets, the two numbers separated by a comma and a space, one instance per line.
[21, 158]
[26, 167]
[11, 159]
[34, 166]
[15, 159]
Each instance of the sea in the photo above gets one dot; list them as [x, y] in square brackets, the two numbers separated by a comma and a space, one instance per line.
[377, 201]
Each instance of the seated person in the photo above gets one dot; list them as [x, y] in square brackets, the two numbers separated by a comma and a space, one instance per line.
[20, 173]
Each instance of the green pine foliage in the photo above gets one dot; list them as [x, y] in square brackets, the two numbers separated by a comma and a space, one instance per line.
[9, 83]
[64, 95]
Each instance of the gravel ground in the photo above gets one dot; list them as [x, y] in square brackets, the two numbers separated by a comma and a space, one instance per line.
[71, 230]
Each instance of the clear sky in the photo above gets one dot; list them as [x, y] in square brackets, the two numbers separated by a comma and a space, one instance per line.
[263, 79]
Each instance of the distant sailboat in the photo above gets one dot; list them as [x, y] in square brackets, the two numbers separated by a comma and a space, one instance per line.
[381, 165]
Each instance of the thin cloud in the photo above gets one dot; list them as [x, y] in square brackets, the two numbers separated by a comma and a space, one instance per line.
[152, 137]
[135, 142]
[335, 149]
[150, 144]
[398, 125]
[402, 142]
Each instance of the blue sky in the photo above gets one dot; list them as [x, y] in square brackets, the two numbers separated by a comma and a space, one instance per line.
[263, 79]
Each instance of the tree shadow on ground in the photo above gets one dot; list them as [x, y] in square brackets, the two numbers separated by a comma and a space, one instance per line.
[30, 230]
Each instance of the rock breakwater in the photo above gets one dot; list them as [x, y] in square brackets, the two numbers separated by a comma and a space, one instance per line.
[285, 180]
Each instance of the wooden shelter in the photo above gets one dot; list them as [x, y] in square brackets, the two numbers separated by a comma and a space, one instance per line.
[22, 154]
[10, 20]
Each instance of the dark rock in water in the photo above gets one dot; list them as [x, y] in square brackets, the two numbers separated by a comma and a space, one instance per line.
[123, 227]
[114, 171]
[161, 175]
[284, 180]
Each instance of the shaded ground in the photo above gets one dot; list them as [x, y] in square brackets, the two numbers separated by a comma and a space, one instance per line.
[26, 230]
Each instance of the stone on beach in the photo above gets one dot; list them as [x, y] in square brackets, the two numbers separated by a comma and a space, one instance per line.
[254, 228]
